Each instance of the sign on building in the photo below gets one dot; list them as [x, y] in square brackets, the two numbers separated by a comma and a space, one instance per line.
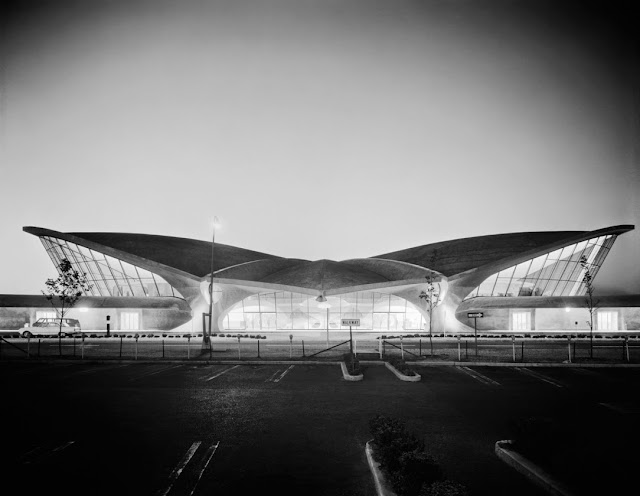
[475, 315]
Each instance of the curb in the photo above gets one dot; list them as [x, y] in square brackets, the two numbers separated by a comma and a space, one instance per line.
[347, 376]
[407, 378]
[530, 470]
[378, 477]
[528, 364]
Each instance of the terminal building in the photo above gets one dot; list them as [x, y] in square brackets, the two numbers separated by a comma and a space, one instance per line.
[519, 282]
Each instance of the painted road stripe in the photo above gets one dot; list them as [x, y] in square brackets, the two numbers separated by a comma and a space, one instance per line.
[539, 376]
[39, 453]
[154, 372]
[284, 373]
[97, 369]
[220, 373]
[207, 458]
[270, 379]
[175, 473]
[478, 376]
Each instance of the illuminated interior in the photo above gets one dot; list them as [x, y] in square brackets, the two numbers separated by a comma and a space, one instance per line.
[108, 276]
[285, 310]
[557, 273]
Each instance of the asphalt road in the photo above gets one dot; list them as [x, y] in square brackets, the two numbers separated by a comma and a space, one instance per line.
[182, 429]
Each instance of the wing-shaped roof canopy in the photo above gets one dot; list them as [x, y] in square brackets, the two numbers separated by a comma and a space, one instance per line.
[459, 255]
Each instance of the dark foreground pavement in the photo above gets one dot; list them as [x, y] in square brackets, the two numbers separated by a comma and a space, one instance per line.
[167, 428]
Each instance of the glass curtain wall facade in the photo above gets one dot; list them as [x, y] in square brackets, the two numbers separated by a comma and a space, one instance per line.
[292, 311]
[557, 273]
[108, 276]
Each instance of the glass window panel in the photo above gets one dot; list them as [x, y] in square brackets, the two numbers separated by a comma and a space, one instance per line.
[521, 270]
[365, 302]
[283, 303]
[554, 255]
[567, 251]
[536, 266]
[334, 320]
[380, 302]
[528, 288]
[514, 287]
[507, 273]
[251, 304]
[501, 287]
[236, 320]
[486, 288]
[137, 288]
[283, 320]
[550, 288]
[366, 321]
[562, 288]
[396, 321]
[381, 321]
[559, 270]
[397, 304]
[300, 320]
[317, 320]
[268, 302]
[129, 270]
[579, 248]
[150, 288]
[269, 321]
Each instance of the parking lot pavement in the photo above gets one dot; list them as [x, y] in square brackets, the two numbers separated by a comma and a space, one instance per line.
[92, 428]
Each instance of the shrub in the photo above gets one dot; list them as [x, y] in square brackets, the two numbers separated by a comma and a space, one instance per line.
[444, 488]
[352, 363]
[129, 336]
[143, 336]
[416, 468]
[93, 336]
[164, 335]
[401, 366]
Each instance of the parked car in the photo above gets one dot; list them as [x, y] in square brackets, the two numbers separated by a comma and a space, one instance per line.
[50, 327]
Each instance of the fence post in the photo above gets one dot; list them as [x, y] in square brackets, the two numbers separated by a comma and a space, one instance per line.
[626, 345]
[28, 343]
[522, 352]
[39, 347]
[81, 346]
[513, 345]
[466, 349]
[189, 347]
[569, 346]
[121, 347]
[303, 347]
[136, 355]
[355, 347]
[380, 347]
[238, 346]
[401, 348]
[459, 351]
[162, 346]
[258, 347]
[290, 345]
[420, 352]
[74, 346]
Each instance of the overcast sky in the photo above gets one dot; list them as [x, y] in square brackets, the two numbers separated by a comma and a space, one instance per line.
[317, 128]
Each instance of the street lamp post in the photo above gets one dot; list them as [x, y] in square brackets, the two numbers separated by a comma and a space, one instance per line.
[206, 337]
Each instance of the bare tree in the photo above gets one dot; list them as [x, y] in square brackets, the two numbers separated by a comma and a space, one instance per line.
[64, 292]
[590, 303]
[431, 296]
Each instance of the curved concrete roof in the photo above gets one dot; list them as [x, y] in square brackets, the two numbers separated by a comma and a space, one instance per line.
[450, 258]
[188, 255]
[460, 255]
[324, 275]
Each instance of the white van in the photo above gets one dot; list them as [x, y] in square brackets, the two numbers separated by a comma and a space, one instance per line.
[50, 327]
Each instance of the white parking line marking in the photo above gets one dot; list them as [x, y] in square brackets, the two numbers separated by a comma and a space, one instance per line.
[154, 372]
[98, 369]
[175, 473]
[539, 376]
[478, 376]
[274, 374]
[220, 373]
[207, 458]
[284, 373]
[39, 453]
